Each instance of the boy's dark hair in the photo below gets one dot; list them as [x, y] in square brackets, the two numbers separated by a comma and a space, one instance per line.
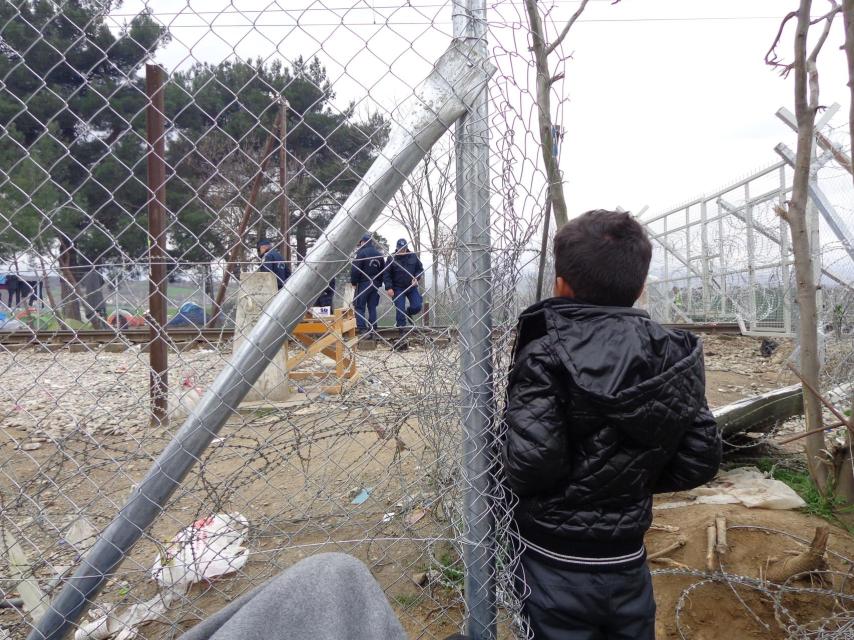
[604, 256]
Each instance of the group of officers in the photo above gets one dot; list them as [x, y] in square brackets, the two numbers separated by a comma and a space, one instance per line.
[398, 275]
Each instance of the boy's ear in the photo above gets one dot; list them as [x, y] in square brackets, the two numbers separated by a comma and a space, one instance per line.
[563, 289]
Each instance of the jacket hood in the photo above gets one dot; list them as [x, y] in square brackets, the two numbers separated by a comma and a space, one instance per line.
[622, 363]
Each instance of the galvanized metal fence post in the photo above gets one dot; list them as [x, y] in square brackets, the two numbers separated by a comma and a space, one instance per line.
[752, 321]
[475, 330]
[785, 258]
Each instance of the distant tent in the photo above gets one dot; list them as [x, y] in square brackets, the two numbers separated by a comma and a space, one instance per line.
[188, 315]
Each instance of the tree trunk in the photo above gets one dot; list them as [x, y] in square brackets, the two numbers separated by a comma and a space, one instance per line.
[544, 114]
[805, 111]
[544, 247]
[848, 17]
[46, 285]
[302, 238]
[68, 283]
[93, 287]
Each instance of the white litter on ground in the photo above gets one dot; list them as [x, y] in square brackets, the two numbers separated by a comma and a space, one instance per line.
[745, 485]
[207, 549]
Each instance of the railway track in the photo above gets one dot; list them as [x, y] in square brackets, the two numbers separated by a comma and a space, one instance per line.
[215, 335]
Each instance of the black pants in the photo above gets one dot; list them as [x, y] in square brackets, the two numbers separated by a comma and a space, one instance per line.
[577, 605]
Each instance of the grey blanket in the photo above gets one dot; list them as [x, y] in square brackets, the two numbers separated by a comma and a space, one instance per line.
[330, 596]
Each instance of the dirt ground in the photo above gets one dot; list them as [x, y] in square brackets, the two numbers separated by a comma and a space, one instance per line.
[294, 471]
[726, 609]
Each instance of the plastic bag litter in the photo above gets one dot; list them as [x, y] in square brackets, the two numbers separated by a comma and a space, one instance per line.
[121, 624]
[745, 485]
[207, 549]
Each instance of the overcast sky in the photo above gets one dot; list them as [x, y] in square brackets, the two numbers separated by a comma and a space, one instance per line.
[666, 98]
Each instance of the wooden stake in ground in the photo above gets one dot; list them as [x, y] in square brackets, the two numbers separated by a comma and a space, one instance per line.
[711, 540]
[721, 546]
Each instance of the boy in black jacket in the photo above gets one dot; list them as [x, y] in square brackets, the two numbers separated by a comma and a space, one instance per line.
[605, 408]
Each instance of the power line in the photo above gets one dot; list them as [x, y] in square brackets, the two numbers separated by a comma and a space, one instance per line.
[409, 7]
[389, 22]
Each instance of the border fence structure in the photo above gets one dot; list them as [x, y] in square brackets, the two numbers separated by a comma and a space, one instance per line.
[311, 128]
[726, 257]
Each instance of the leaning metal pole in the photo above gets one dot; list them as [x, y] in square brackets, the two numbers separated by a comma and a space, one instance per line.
[475, 335]
[447, 93]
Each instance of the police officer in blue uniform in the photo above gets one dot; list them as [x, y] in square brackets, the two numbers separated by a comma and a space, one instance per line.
[366, 275]
[273, 261]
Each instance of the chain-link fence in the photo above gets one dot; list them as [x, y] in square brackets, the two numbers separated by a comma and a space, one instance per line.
[150, 368]
[166, 405]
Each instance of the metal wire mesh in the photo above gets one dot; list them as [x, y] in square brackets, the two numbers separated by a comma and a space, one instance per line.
[273, 115]
[277, 120]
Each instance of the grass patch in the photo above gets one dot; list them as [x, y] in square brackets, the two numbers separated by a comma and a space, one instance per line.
[407, 600]
[451, 568]
[800, 481]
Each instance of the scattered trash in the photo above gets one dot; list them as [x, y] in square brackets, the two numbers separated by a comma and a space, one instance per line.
[23, 581]
[120, 625]
[768, 347]
[31, 446]
[193, 392]
[80, 534]
[414, 517]
[745, 485]
[388, 516]
[207, 549]
[363, 495]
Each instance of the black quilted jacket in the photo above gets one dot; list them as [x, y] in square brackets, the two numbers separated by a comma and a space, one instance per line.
[605, 408]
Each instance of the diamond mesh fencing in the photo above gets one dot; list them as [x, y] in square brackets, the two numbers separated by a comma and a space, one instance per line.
[194, 390]
[200, 206]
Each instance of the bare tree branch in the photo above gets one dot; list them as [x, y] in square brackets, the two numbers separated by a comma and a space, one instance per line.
[554, 45]
[771, 58]
[555, 181]
[848, 17]
[812, 67]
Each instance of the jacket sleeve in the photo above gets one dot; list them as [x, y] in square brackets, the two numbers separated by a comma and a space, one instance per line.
[387, 278]
[419, 268]
[354, 271]
[698, 457]
[536, 442]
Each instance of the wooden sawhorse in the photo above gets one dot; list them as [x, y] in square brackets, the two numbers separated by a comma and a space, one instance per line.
[334, 337]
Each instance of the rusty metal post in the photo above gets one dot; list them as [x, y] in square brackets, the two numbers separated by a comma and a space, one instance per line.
[157, 280]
